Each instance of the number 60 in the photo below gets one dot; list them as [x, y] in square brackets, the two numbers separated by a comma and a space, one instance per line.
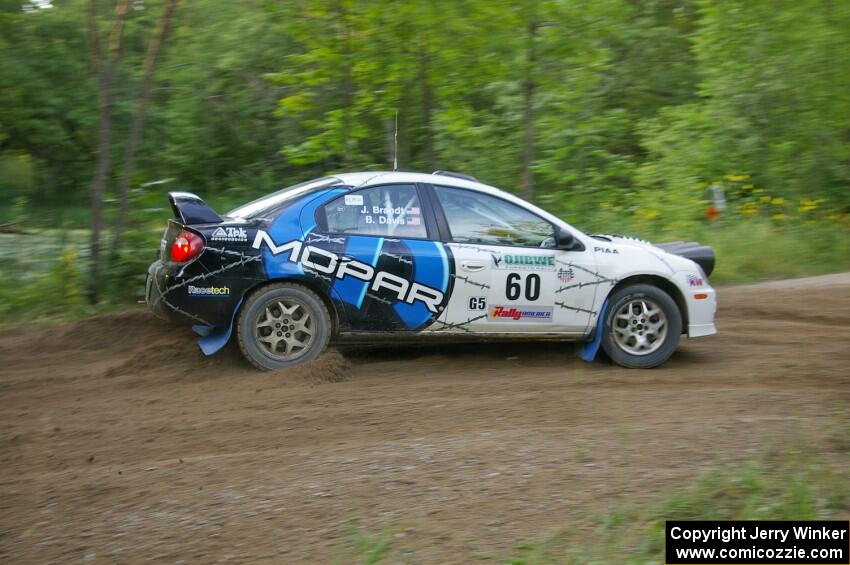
[514, 287]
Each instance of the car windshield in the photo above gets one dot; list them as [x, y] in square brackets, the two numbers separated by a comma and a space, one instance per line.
[263, 206]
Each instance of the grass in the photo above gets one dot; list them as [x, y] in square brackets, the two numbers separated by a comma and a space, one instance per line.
[44, 275]
[751, 249]
[776, 487]
[756, 250]
[44, 271]
[363, 547]
[799, 489]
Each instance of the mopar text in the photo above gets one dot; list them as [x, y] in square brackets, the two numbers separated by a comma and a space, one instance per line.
[340, 267]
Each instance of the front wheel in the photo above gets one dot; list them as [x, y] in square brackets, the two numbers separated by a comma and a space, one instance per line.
[642, 326]
[282, 325]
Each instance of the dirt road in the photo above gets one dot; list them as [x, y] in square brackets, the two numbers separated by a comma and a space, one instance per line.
[120, 442]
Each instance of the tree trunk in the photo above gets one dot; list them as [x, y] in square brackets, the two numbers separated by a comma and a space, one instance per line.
[347, 83]
[135, 137]
[389, 129]
[105, 68]
[427, 104]
[527, 181]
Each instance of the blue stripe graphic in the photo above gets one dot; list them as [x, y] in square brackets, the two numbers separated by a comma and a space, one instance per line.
[287, 227]
[430, 268]
[366, 250]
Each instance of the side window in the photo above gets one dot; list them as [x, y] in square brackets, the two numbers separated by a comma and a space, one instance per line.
[390, 211]
[475, 217]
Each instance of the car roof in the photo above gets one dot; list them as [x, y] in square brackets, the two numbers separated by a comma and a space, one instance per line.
[364, 179]
[374, 178]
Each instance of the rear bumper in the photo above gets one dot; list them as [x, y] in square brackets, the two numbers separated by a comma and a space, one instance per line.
[206, 290]
[177, 292]
[191, 293]
[157, 294]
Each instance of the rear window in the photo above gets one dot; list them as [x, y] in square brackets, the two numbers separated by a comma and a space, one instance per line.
[267, 204]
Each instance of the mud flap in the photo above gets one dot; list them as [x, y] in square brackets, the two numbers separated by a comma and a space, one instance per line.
[202, 330]
[591, 348]
[213, 340]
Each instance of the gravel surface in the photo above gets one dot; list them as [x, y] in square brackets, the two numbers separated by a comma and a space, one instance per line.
[120, 442]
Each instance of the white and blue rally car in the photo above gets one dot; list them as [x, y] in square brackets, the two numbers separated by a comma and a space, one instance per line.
[374, 257]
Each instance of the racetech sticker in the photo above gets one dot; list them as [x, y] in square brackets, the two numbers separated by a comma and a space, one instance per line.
[520, 313]
[208, 291]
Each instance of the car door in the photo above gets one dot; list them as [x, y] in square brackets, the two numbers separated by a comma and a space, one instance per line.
[392, 275]
[509, 277]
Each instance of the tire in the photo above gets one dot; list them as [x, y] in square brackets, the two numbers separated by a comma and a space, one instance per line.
[283, 325]
[642, 326]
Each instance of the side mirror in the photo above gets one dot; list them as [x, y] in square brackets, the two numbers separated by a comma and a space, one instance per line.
[564, 239]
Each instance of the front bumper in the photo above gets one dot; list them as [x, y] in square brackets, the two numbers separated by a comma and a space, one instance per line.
[702, 306]
[700, 330]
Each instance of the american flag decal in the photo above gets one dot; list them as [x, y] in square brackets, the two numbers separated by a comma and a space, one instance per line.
[565, 275]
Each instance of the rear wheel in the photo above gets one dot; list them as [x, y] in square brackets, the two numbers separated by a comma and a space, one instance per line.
[642, 326]
[283, 325]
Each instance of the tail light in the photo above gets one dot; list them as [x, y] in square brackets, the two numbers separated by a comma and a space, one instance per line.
[186, 245]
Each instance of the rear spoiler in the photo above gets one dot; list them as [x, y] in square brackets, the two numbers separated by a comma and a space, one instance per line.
[190, 209]
[702, 255]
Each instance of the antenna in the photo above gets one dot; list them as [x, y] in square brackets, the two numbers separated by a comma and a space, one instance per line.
[395, 144]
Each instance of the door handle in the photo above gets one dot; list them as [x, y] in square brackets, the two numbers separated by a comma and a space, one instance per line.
[471, 266]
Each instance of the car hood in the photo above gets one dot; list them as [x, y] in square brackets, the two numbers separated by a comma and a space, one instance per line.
[702, 255]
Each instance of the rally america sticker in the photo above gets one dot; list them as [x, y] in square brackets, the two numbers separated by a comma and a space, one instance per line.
[520, 313]
[229, 234]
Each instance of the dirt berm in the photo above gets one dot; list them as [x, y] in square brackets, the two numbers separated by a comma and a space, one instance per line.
[120, 442]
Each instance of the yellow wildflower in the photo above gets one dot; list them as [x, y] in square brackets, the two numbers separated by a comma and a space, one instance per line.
[749, 208]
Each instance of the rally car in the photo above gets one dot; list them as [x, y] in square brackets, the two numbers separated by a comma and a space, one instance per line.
[385, 256]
